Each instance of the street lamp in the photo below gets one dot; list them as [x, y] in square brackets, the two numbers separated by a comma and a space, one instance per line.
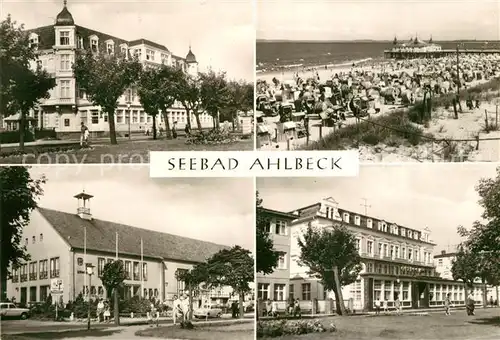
[90, 272]
[129, 114]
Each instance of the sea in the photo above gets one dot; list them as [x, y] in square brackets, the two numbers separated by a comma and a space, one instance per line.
[274, 55]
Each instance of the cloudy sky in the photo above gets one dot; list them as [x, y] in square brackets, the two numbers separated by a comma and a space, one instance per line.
[221, 32]
[378, 19]
[216, 210]
[440, 197]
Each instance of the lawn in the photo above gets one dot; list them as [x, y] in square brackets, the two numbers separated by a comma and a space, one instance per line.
[241, 331]
[124, 152]
[93, 334]
[436, 326]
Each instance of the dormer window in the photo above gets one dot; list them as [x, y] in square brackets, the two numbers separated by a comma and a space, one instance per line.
[150, 55]
[110, 47]
[357, 220]
[79, 42]
[346, 218]
[403, 232]
[138, 53]
[395, 229]
[369, 223]
[64, 38]
[34, 40]
[94, 44]
[123, 49]
[410, 234]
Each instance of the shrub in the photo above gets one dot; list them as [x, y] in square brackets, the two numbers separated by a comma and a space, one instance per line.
[13, 136]
[210, 137]
[45, 134]
[136, 304]
[277, 328]
[186, 325]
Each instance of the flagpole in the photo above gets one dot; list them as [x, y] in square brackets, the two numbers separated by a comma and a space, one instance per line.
[142, 269]
[116, 245]
[85, 260]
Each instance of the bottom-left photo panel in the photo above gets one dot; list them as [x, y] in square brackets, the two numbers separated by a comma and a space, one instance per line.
[100, 252]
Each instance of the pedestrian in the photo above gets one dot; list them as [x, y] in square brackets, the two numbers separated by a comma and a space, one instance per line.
[174, 130]
[234, 307]
[83, 134]
[100, 310]
[187, 130]
[274, 308]
[296, 310]
[377, 306]
[398, 305]
[447, 304]
[185, 307]
[107, 312]
[386, 307]
[470, 304]
[491, 301]
[176, 309]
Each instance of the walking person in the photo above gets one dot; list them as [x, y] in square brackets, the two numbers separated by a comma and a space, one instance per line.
[174, 130]
[470, 304]
[100, 310]
[185, 307]
[377, 306]
[234, 307]
[274, 308]
[386, 307]
[447, 304]
[176, 309]
[151, 314]
[398, 306]
[296, 309]
[107, 312]
[84, 134]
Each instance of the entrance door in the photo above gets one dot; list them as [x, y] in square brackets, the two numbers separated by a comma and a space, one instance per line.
[24, 296]
[423, 295]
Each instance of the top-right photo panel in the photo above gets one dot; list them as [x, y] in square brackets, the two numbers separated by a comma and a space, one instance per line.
[401, 81]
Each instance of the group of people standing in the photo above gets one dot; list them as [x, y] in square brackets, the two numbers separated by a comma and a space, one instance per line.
[180, 308]
[270, 308]
[379, 305]
[103, 311]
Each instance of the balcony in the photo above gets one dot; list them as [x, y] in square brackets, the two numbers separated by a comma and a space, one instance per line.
[32, 276]
[54, 273]
[44, 275]
[24, 277]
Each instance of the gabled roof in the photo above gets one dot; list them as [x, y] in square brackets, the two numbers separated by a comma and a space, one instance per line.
[101, 236]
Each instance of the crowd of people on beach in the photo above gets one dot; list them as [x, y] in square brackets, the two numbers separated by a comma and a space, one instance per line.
[362, 89]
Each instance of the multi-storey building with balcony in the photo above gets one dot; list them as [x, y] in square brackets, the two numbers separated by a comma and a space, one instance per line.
[68, 105]
[275, 286]
[62, 245]
[397, 262]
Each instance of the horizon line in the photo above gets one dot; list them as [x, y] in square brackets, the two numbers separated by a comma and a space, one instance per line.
[367, 40]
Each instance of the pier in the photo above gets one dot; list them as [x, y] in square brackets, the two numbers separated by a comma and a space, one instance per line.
[395, 54]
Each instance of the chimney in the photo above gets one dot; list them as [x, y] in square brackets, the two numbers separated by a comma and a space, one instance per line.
[83, 210]
[443, 252]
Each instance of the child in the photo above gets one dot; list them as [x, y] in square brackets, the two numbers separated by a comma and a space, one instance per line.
[107, 313]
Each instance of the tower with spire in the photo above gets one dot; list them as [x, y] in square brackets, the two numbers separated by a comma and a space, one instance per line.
[395, 41]
[191, 63]
[65, 30]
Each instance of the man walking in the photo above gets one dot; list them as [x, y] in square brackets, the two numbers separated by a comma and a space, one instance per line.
[84, 133]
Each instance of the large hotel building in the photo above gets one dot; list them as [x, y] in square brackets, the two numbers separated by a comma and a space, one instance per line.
[396, 261]
[62, 245]
[68, 106]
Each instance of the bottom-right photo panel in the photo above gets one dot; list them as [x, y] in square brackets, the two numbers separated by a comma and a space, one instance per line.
[400, 252]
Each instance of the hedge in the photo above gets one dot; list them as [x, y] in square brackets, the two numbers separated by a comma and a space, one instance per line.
[13, 136]
[277, 328]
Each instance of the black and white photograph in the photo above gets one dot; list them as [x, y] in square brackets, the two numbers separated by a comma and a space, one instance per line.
[401, 81]
[108, 253]
[107, 81]
[400, 252]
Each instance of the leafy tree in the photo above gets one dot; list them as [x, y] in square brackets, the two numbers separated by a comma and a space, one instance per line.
[19, 195]
[192, 279]
[332, 256]
[189, 94]
[112, 278]
[232, 267]
[267, 257]
[104, 79]
[157, 89]
[241, 98]
[465, 267]
[214, 93]
[21, 87]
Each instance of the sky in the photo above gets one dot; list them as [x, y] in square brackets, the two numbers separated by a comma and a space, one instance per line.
[378, 19]
[210, 209]
[440, 197]
[221, 32]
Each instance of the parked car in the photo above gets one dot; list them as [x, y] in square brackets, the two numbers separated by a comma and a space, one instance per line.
[10, 310]
[208, 311]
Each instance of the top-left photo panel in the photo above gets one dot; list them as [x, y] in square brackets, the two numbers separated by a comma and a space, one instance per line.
[109, 81]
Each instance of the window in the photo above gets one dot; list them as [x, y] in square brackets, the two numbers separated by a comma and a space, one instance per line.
[403, 253]
[41, 237]
[395, 229]
[377, 290]
[369, 267]
[93, 290]
[306, 291]
[346, 217]
[279, 292]
[138, 53]
[33, 271]
[110, 48]
[440, 262]
[65, 62]
[95, 116]
[392, 252]
[387, 291]
[150, 55]
[369, 247]
[100, 266]
[369, 223]
[128, 265]
[267, 227]
[124, 50]
[43, 270]
[180, 284]
[406, 295]
[26, 241]
[396, 252]
[410, 254]
[145, 271]
[380, 250]
[280, 227]
[34, 41]
[100, 291]
[403, 232]
[54, 267]
[135, 116]
[94, 45]
[79, 261]
[356, 290]
[386, 251]
[263, 291]
[358, 244]
[79, 42]
[65, 90]
[64, 38]
[357, 220]
[291, 292]
[417, 258]
[410, 233]
[66, 122]
[33, 239]
[282, 261]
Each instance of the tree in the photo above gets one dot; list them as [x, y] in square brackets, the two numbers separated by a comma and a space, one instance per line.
[192, 280]
[330, 251]
[232, 267]
[21, 87]
[214, 93]
[189, 94]
[112, 278]
[19, 196]
[465, 267]
[104, 78]
[267, 257]
[157, 89]
[241, 98]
